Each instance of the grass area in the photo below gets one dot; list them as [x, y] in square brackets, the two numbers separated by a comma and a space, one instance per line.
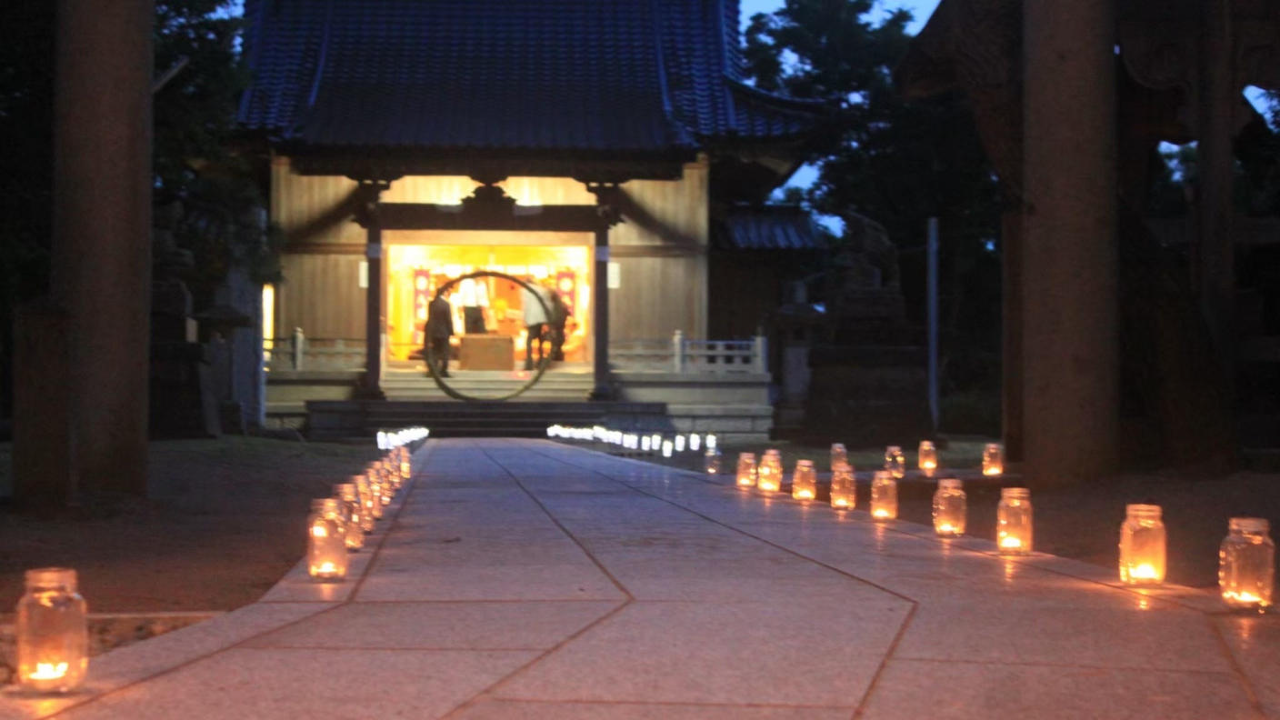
[224, 522]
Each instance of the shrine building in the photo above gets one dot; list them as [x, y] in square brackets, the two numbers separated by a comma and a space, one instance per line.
[609, 150]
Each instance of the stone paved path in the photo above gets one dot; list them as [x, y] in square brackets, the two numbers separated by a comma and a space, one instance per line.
[524, 579]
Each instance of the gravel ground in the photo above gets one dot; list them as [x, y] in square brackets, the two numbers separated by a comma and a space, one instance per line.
[226, 524]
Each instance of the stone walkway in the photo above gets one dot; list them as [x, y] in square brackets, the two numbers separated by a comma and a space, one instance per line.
[524, 579]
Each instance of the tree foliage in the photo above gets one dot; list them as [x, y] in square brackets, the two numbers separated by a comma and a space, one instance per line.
[894, 160]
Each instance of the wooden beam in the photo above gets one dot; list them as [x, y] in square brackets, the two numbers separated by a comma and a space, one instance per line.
[551, 218]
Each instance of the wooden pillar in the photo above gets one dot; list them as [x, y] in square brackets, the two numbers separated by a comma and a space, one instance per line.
[371, 387]
[1219, 97]
[603, 386]
[100, 280]
[1011, 334]
[1069, 266]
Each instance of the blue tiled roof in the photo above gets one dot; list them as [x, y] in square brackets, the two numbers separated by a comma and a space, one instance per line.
[769, 227]
[618, 75]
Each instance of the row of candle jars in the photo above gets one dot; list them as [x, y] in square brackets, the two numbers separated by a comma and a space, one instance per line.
[1246, 573]
[927, 459]
[337, 525]
[51, 624]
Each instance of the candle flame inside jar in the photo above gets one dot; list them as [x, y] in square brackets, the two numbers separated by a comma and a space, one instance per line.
[325, 567]
[881, 513]
[49, 671]
[1010, 542]
[1242, 596]
[1145, 571]
[319, 531]
[992, 470]
[946, 528]
[841, 502]
[804, 495]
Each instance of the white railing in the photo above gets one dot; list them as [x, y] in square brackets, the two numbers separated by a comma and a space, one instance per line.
[676, 355]
[299, 352]
[684, 356]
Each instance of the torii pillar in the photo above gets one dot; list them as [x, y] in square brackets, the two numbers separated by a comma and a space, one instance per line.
[1069, 306]
[90, 432]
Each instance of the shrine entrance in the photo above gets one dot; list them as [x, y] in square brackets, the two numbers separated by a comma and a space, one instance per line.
[489, 318]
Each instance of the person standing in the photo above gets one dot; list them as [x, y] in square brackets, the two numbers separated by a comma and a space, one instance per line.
[438, 331]
[535, 304]
[559, 317]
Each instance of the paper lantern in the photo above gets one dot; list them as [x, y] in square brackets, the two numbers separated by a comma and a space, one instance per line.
[52, 634]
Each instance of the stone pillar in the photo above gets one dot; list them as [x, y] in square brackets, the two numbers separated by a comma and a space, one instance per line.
[1069, 306]
[101, 256]
[371, 387]
[603, 389]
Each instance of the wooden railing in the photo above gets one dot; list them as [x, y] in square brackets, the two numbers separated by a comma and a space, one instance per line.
[299, 352]
[684, 356]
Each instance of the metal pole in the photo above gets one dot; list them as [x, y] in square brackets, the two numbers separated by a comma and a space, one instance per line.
[932, 310]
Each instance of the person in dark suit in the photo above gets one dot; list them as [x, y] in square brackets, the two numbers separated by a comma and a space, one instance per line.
[438, 331]
[559, 317]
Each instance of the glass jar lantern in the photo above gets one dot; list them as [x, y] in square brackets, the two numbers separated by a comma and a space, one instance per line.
[350, 498]
[326, 541]
[949, 508]
[839, 455]
[884, 496]
[367, 501]
[1014, 521]
[711, 461]
[1142, 546]
[804, 482]
[992, 459]
[375, 494]
[895, 462]
[746, 469]
[843, 487]
[927, 458]
[1247, 564]
[769, 474]
[52, 633]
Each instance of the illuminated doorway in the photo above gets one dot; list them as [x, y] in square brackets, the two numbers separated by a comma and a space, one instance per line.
[491, 307]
